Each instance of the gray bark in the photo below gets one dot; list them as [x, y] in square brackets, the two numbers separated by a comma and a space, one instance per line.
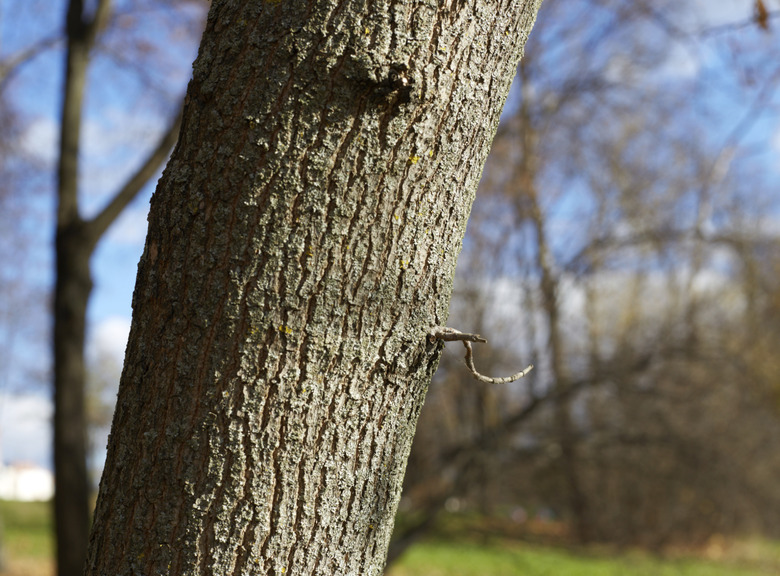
[302, 243]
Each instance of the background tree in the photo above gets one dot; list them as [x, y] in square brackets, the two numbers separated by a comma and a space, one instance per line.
[92, 35]
[622, 275]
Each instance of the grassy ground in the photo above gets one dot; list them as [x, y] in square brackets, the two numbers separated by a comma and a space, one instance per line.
[469, 546]
[27, 547]
[461, 548]
[513, 559]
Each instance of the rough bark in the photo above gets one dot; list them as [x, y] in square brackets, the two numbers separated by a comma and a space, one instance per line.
[301, 244]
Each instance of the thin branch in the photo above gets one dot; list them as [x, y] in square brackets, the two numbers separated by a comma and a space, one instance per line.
[451, 335]
[757, 108]
[11, 65]
[99, 20]
[754, 20]
[84, 28]
[488, 379]
[100, 223]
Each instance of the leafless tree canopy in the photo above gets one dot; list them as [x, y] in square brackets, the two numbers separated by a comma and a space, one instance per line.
[624, 241]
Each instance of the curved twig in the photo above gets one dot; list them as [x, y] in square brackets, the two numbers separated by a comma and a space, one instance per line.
[446, 334]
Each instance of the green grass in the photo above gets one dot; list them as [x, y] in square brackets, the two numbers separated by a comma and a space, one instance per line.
[503, 559]
[459, 550]
[26, 529]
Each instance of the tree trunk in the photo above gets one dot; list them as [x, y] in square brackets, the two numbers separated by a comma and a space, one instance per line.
[302, 242]
[75, 241]
[548, 286]
[73, 285]
[71, 505]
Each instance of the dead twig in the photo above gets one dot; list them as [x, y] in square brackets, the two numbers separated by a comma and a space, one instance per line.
[451, 335]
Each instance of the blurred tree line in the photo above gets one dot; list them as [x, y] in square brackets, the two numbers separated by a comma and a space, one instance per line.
[625, 240]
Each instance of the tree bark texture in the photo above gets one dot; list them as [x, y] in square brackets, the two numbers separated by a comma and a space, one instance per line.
[302, 242]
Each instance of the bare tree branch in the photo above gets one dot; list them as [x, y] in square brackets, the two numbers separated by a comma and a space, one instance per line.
[100, 19]
[12, 64]
[451, 335]
[488, 379]
[734, 26]
[131, 188]
[720, 165]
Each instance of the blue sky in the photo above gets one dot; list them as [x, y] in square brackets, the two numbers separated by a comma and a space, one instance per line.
[125, 116]
[134, 85]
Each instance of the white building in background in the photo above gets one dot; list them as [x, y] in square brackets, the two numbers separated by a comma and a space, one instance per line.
[26, 483]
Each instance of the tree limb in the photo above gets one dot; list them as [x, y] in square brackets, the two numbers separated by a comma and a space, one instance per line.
[100, 223]
[11, 65]
[451, 335]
